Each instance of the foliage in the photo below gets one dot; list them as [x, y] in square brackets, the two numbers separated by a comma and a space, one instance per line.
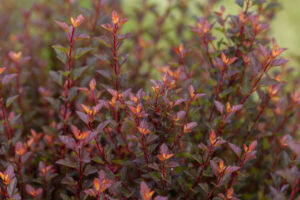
[166, 112]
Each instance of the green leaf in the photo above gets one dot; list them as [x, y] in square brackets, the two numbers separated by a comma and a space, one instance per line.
[61, 48]
[98, 160]
[61, 53]
[12, 187]
[57, 77]
[77, 72]
[104, 41]
[10, 100]
[68, 180]
[89, 170]
[66, 163]
[81, 51]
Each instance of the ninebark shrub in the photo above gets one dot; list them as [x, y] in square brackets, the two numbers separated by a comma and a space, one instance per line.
[171, 111]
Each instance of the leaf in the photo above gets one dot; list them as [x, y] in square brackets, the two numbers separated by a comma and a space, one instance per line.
[10, 100]
[219, 106]
[123, 59]
[104, 41]
[104, 73]
[60, 48]
[240, 3]
[91, 192]
[8, 78]
[85, 157]
[104, 58]
[191, 125]
[279, 62]
[63, 25]
[252, 145]
[179, 101]
[89, 170]
[122, 37]
[61, 53]
[161, 198]
[164, 149]
[84, 117]
[203, 147]
[263, 50]
[98, 160]
[82, 37]
[236, 108]
[77, 72]
[68, 141]
[231, 169]
[66, 163]
[81, 51]
[294, 146]
[172, 164]
[237, 150]
[180, 114]
[12, 187]
[214, 167]
[102, 125]
[107, 27]
[57, 77]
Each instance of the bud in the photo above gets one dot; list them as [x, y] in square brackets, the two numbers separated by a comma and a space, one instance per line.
[77, 21]
[15, 56]
[115, 17]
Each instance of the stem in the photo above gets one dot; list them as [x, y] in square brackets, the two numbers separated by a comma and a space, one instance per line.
[69, 84]
[257, 118]
[20, 176]
[233, 177]
[211, 147]
[267, 61]
[185, 121]
[145, 149]
[115, 57]
[45, 186]
[6, 122]
[184, 66]
[217, 92]
[116, 70]
[216, 186]
[295, 189]
[19, 92]
[6, 195]
[96, 15]
[164, 175]
[257, 80]
[80, 173]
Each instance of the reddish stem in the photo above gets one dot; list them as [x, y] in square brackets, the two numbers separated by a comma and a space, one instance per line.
[211, 147]
[80, 173]
[295, 189]
[69, 84]
[216, 186]
[185, 121]
[6, 122]
[217, 92]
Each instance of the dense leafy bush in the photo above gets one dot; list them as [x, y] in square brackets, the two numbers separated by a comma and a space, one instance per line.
[170, 111]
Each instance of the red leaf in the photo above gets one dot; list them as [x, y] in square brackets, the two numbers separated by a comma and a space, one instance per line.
[231, 169]
[237, 150]
[219, 106]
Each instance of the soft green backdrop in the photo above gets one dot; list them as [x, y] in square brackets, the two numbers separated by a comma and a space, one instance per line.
[285, 27]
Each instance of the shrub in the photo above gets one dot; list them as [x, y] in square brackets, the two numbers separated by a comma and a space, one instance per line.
[201, 113]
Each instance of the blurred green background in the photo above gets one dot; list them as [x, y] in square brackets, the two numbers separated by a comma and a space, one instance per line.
[285, 27]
